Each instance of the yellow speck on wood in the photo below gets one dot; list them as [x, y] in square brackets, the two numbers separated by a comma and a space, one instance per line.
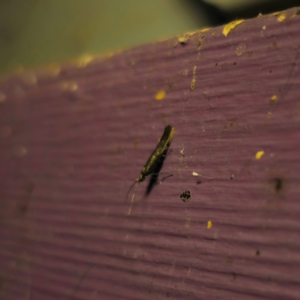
[193, 82]
[188, 222]
[194, 70]
[281, 17]
[69, 86]
[183, 39]
[259, 154]
[274, 98]
[84, 60]
[276, 13]
[205, 29]
[160, 95]
[264, 27]
[227, 28]
[209, 224]
[195, 174]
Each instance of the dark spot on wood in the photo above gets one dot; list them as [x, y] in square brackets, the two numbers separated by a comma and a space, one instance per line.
[277, 184]
[270, 71]
[185, 196]
[199, 182]
[276, 187]
[257, 253]
[168, 295]
[23, 208]
[216, 64]
[183, 43]
[232, 176]
[249, 53]
[234, 63]
[210, 239]
[230, 123]
[233, 275]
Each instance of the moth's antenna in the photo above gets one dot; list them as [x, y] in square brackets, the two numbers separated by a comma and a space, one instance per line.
[208, 177]
[130, 189]
[136, 184]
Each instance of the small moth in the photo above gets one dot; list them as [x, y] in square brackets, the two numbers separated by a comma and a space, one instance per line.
[154, 159]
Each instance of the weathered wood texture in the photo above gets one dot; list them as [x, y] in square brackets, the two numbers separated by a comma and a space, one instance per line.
[73, 140]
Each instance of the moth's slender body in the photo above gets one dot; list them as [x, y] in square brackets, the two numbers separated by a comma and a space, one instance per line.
[155, 158]
[156, 155]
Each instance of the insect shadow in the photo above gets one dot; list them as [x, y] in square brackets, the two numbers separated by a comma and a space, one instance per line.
[156, 172]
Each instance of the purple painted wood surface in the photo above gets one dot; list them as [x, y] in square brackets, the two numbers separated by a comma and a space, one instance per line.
[74, 139]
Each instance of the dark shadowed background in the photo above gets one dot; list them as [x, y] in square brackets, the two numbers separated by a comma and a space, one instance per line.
[35, 32]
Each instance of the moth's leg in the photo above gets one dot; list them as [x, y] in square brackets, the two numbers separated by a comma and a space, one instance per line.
[168, 152]
[163, 173]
